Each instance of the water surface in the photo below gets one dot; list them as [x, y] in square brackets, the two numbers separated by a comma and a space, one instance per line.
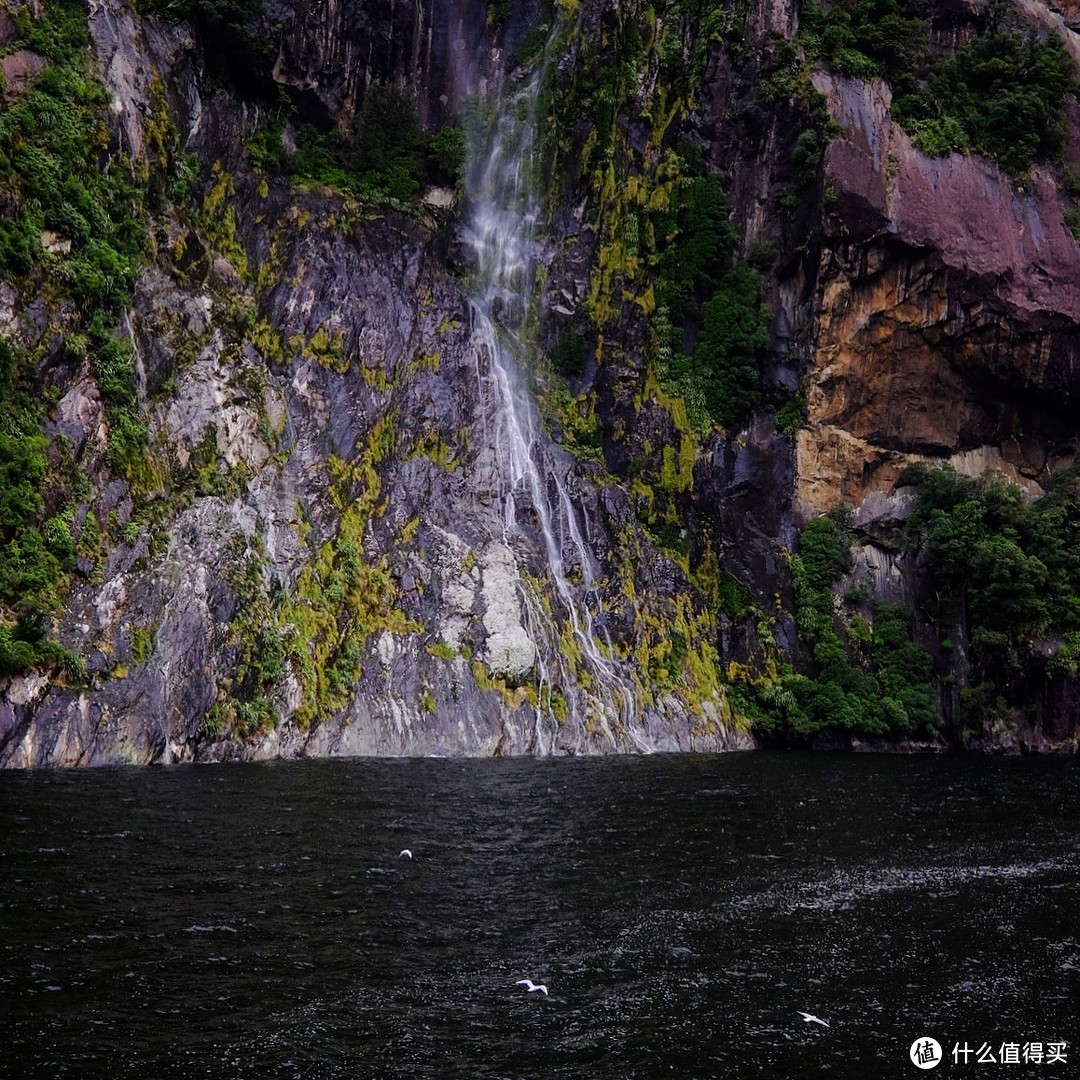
[257, 921]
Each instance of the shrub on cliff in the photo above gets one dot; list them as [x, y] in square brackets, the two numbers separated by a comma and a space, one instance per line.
[1005, 571]
[61, 178]
[385, 158]
[1002, 93]
[733, 339]
[1005, 90]
[865, 38]
[1006, 567]
[701, 243]
[714, 322]
[866, 676]
[74, 233]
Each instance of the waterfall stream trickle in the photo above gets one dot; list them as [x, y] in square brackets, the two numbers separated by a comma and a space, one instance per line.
[530, 475]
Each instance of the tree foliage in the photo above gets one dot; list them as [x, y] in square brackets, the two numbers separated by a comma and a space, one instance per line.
[867, 676]
[1007, 567]
[1002, 93]
[386, 157]
[702, 240]
[55, 160]
[714, 321]
[866, 38]
[75, 230]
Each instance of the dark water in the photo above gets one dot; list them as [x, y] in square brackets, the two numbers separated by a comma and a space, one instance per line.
[256, 921]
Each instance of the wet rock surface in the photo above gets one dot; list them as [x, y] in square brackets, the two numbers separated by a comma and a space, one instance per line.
[313, 394]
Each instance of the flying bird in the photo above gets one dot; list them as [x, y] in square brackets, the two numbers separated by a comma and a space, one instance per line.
[530, 986]
[811, 1019]
[405, 854]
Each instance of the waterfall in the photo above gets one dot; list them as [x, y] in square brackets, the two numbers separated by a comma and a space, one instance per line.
[531, 478]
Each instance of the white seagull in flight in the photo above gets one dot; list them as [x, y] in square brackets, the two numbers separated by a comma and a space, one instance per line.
[531, 986]
[405, 854]
[811, 1019]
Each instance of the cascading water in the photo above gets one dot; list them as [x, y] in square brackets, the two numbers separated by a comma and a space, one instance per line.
[530, 476]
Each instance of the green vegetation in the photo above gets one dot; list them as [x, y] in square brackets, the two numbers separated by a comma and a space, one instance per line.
[33, 571]
[319, 631]
[1072, 222]
[1010, 566]
[578, 423]
[74, 232]
[786, 77]
[666, 256]
[792, 414]
[498, 11]
[666, 243]
[64, 177]
[114, 372]
[248, 703]
[1001, 94]
[340, 597]
[380, 160]
[1005, 568]
[699, 285]
[37, 550]
[726, 363]
[700, 248]
[385, 157]
[1004, 575]
[866, 38]
[868, 676]
[532, 45]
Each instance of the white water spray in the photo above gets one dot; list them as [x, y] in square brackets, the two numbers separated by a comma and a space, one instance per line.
[531, 478]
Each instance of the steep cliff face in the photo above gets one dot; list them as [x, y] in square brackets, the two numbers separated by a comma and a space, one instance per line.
[310, 553]
[941, 280]
[946, 331]
[440, 53]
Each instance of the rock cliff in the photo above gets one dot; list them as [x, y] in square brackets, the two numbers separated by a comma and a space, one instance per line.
[308, 552]
[941, 279]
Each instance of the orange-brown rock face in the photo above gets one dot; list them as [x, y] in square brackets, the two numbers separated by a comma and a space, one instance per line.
[948, 320]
